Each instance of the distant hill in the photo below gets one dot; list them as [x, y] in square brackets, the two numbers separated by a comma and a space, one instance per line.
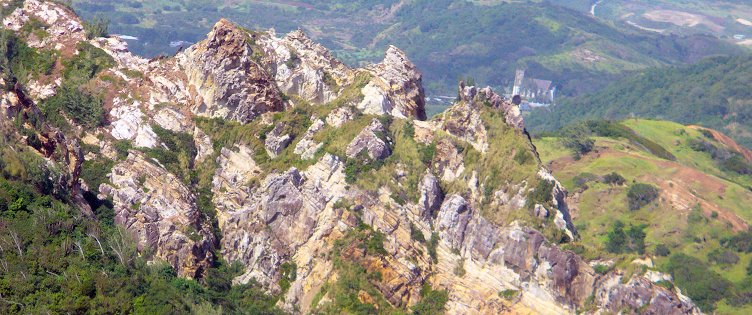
[715, 93]
[447, 39]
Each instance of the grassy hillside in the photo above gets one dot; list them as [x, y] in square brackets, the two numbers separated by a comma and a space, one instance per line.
[700, 204]
[447, 39]
[714, 93]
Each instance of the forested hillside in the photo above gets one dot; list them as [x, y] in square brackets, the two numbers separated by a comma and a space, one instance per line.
[715, 93]
[449, 39]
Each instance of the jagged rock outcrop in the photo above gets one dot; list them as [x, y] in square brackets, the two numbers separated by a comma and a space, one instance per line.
[340, 116]
[463, 120]
[230, 84]
[486, 96]
[160, 212]
[130, 123]
[373, 141]
[396, 88]
[639, 293]
[62, 24]
[305, 68]
[431, 196]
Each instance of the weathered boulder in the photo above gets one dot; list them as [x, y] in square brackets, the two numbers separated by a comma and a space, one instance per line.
[340, 116]
[396, 88]
[373, 141]
[230, 83]
[276, 141]
[160, 212]
[307, 147]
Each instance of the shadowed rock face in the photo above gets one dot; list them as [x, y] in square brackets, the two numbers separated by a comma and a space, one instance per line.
[230, 84]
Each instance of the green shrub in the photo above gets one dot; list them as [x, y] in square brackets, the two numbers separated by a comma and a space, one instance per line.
[19, 62]
[630, 241]
[427, 153]
[582, 179]
[416, 234]
[542, 194]
[614, 179]
[361, 164]
[723, 257]
[523, 157]
[89, 61]
[97, 27]
[640, 195]
[741, 242]
[375, 244]
[81, 107]
[94, 172]
[509, 294]
[431, 246]
[179, 153]
[699, 282]
[409, 130]
[432, 301]
[601, 269]
[121, 148]
[576, 138]
[289, 273]
[662, 250]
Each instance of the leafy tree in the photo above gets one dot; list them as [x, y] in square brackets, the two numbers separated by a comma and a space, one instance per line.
[640, 195]
[620, 240]
[576, 138]
[97, 27]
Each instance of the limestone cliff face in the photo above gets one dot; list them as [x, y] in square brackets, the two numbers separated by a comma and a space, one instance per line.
[160, 212]
[230, 84]
[273, 210]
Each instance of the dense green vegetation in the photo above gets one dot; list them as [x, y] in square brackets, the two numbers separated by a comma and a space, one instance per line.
[59, 261]
[19, 62]
[714, 93]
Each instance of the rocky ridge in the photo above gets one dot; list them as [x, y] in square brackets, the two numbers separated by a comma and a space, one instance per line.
[294, 214]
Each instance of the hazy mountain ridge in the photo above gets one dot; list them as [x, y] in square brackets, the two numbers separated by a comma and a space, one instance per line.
[457, 40]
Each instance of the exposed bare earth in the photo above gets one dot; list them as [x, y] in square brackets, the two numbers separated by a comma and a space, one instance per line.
[678, 189]
[725, 140]
[680, 18]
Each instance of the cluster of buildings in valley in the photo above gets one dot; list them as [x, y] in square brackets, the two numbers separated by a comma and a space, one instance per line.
[529, 92]
[532, 92]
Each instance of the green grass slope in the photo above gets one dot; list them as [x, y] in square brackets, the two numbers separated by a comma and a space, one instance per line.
[699, 205]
